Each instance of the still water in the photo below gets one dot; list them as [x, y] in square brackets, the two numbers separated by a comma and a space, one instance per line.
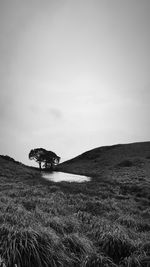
[67, 177]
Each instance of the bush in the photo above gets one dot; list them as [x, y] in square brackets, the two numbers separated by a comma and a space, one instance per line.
[125, 163]
[29, 205]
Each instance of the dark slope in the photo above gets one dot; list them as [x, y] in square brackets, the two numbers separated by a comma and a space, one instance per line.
[102, 159]
[13, 172]
[10, 161]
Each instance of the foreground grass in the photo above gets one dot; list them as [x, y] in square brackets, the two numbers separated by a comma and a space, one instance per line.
[105, 222]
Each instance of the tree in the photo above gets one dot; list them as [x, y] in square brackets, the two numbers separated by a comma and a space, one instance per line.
[41, 155]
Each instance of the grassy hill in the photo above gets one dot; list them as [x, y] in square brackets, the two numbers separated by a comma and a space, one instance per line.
[104, 222]
[97, 160]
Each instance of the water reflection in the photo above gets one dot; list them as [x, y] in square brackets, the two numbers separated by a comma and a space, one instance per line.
[67, 177]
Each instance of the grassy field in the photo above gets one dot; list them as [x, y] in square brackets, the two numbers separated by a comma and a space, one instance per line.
[101, 223]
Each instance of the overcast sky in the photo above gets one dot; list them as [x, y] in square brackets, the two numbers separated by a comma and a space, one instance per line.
[74, 75]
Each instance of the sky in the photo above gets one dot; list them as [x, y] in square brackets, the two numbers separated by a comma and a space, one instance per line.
[74, 75]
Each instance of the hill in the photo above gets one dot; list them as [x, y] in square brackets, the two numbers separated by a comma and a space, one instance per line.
[98, 160]
[101, 223]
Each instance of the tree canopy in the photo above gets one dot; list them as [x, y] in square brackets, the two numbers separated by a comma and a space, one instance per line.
[41, 155]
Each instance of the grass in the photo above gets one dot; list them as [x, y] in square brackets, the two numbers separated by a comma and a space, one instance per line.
[104, 222]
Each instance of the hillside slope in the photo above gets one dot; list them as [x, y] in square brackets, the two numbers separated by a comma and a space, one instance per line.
[104, 222]
[100, 160]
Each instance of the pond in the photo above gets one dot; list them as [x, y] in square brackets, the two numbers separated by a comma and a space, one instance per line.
[66, 177]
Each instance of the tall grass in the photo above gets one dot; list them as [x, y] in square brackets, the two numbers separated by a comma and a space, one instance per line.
[136, 261]
[102, 223]
[98, 260]
[30, 248]
[116, 244]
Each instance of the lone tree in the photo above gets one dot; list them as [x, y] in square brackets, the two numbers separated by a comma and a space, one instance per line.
[41, 155]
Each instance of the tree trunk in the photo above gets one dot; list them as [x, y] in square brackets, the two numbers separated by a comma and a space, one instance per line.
[40, 165]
